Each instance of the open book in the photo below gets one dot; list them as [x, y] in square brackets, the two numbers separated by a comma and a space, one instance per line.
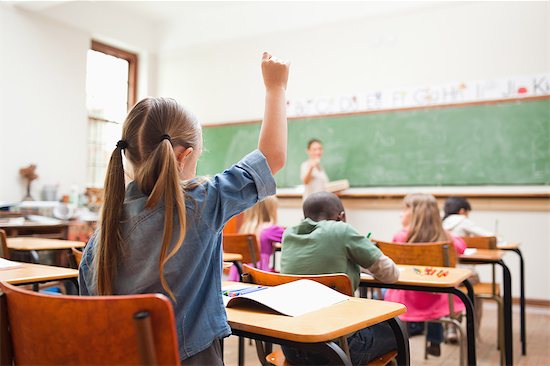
[293, 298]
[337, 185]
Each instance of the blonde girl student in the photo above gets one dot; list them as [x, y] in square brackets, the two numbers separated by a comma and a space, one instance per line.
[162, 233]
[261, 220]
[422, 223]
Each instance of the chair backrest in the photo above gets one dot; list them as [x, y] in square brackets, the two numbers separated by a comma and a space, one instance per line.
[4, 251]
[338, 281]
[481, 242]
[77, 254]
[437, 254]
[243, 244]
[87, 330]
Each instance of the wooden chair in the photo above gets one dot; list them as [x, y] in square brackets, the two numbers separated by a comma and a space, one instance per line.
[489, 290]
[76, 256]
[243, 244]
[435, 254]
[338, 281]
[5, 252]
[101, 330]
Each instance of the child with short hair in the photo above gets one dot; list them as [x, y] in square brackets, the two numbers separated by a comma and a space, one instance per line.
[456, 220]
[162, 234]
[323, 243]
[422, 224]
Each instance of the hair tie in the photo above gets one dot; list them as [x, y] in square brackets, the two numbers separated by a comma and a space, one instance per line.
[166, 137]
[122, 144]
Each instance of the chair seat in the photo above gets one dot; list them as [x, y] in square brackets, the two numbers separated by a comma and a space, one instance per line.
[277, 358]
[483, 289]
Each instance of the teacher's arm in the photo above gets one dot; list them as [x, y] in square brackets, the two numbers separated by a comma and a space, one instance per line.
[307, 171]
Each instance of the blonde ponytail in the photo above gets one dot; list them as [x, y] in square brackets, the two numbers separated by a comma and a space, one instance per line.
[110, 242]
[152, 129]
[160, 172]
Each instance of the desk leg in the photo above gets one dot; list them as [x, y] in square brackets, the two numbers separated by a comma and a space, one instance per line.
[241, 351]
[470, 321]
[508, 336]
[402, 339]
[239, 269]
[330, 350]
[521, 300]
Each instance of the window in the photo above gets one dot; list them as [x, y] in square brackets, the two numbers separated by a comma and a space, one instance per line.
[110, 91]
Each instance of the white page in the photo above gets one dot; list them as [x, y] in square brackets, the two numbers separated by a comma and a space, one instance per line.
[296, 298]
[6, 264]
[470, 251]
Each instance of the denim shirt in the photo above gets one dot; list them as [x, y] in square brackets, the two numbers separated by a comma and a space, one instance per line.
[194, 272]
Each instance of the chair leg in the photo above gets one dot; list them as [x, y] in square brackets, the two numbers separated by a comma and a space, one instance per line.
[425, 340]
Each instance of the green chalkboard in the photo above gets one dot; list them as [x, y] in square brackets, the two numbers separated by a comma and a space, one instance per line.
[502, 144]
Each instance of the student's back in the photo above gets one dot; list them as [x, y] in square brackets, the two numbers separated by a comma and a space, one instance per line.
[163, 232]
[324, 247]
[323, 243]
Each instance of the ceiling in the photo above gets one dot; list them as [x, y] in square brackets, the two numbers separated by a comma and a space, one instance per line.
[178, 24]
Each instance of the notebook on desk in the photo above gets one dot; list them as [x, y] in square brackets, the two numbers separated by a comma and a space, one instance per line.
[292, 299]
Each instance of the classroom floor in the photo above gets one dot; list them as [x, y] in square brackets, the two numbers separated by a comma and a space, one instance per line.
[538, 343]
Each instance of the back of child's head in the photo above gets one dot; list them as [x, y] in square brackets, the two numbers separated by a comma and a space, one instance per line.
[321, 206]
[425, 222]
[262, 212]
[454, 204]
[151, 131]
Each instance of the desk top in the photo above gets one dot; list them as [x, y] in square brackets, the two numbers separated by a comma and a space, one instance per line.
[232, 257]
[318, 326]
[408, 276]
[29, 273]
[32, 224]
[508, 246]
[485, 255]
[30, 243]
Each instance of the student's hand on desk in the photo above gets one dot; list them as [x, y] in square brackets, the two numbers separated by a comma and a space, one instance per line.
[275, 72]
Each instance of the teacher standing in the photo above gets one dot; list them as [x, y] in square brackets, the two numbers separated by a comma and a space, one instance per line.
[311, 172]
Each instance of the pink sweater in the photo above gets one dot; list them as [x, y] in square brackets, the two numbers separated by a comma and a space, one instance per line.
[268, 237]
[422, 306]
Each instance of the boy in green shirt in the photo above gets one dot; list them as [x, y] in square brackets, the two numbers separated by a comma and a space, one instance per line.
[324, 243]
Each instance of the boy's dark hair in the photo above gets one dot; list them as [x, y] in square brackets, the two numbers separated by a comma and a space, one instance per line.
[453, 204]
[320, 206]
[312, 141]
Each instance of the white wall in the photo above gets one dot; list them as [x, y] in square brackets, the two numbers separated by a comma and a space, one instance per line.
[43, 116]
[43, 102]
[221, 82]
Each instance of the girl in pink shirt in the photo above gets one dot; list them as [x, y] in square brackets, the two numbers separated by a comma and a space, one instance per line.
[421, 224]
[261, 220]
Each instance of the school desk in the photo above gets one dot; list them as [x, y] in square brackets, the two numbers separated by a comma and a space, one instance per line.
[32, 246]
[56, 231]
[494, 256]
[514, 247]
[317, 330]
[410, 280]
[29, 273]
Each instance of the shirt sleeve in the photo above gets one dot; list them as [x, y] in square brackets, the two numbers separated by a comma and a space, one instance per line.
[472, 229]
[385, 270]
[238, 188]
[360, 249]
[303, 171]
